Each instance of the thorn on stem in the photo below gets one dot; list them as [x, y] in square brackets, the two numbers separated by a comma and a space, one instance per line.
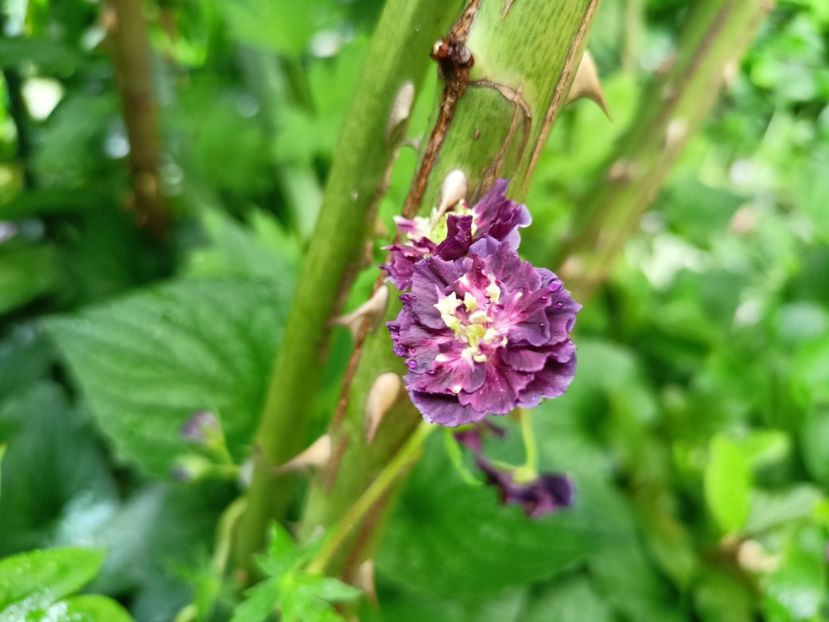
[401, 108]
[381, 397]
[315, 456]
[586, 84]
[371, 310]
[453, 190]
[364, 579]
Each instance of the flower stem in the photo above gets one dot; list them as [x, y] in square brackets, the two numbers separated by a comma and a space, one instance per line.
[407, 455]
[530, 442]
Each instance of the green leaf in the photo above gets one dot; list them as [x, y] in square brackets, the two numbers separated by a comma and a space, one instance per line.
[145, 363]
[259, 604]
[810, 373]
[403, 606]
[262, 251]
[724, 596]
[26, 272]
[283, 553]
[477, 544]
[25, 357]
[87, 608]
[814, 440]
[37, 579]
[281, 25]
[797, 590]
[335, 591]
[780, 507]
[572, 600]
[727, 484]
[57, 456]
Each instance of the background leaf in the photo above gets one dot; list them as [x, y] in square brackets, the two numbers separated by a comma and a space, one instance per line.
[146, 362]
[37, 579]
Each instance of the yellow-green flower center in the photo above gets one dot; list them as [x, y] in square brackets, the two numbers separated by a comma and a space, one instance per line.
[474, 327]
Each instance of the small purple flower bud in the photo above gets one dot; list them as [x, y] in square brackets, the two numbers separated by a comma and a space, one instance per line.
[201, 428]
[541, 495]
[190, 467]
[545, 494]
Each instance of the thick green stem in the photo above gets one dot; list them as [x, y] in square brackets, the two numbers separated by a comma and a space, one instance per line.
[364, 154]
[133, 64]
[673, 108]
[492, 122]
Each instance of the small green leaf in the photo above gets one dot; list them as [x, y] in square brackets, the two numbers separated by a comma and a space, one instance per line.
[727, 484]
[260, 602]
[282, 554]
[335, 591]
[36, 579]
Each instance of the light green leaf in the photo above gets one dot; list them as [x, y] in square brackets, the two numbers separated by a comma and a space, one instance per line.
[727, 484]
[282, 554]
[86, 608]
[281, 25]
[36, 579]
[145, 363]
[259, 604]
[335, 591]
[797, 590]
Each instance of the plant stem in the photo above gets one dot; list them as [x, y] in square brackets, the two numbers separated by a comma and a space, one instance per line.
[398, 55]
[19, 116]
[492, 125]
[133, 67]
[672, 109]
[393, 470]
[530, 443]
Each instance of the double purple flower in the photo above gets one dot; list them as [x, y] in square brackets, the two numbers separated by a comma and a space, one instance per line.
[481, 331]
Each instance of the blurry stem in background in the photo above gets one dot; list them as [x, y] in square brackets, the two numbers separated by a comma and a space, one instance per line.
[19, 115]
[366, 150]
[492, 124]
[631, 34]
[127, 33]
[673, 107]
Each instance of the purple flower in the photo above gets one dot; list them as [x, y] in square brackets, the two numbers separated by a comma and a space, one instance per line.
[484, 334]
[450, 234]
[541, 495]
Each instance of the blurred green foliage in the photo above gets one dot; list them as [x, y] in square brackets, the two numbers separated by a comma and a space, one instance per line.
[697, 429]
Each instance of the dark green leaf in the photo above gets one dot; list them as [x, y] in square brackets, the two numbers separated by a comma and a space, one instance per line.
[147, 362]
[478, 544]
